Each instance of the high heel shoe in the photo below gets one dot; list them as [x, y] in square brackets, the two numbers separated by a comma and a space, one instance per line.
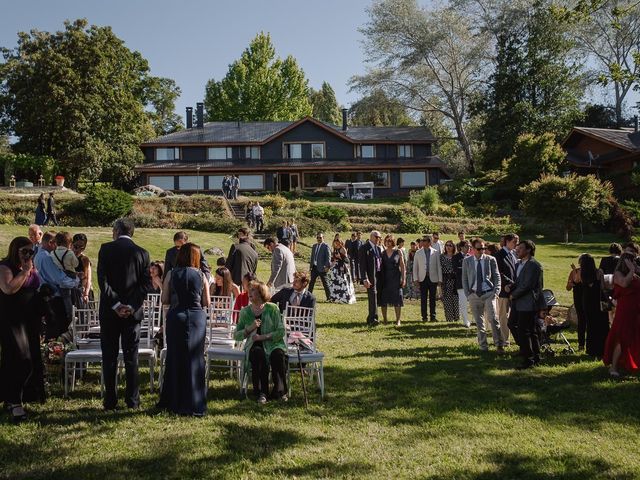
[17, 413]
[614, 373]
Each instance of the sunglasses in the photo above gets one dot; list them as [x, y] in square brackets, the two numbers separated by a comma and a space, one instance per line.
[26, 251]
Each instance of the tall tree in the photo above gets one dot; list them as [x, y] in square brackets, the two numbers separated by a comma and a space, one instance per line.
[430, 60]
[611, 37]
[77, 95]
[379, 110]
[536, 85]
[259, 86]
[325, 105]
[161, 94]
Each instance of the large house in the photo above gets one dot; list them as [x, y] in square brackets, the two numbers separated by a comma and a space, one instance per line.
[611, 154]
[282, 156]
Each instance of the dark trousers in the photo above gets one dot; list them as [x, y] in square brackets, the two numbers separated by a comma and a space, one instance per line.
[259, 223]
[323, 277]
[355, 269]
[528, 339]
[260, 371]
[428, 289]
[15, 360]
[113, 333]
[372, 297]
[51, 217]
[580, 313]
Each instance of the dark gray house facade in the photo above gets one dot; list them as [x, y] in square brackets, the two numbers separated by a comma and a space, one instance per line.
[283, 156]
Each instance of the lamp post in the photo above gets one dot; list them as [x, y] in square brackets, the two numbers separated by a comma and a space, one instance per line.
[197, 179]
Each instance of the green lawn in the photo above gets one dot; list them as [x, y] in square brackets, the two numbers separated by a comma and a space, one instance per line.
[417, 401]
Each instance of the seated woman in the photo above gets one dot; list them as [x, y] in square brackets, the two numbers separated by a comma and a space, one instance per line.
[242, 300]
[261, 325]
[223, 285]
[156, 270]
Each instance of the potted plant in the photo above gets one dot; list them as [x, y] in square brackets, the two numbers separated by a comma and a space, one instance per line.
[59, 180]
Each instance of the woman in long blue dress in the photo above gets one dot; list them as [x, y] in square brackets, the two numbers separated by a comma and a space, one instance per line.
[187, 291]
[41, 213]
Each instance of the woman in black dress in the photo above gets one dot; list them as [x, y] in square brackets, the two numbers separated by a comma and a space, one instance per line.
[574, 283]
[341, 289]
[187, 292]
[448, 289]
[597, 321]
[394, 278]
[21, 371]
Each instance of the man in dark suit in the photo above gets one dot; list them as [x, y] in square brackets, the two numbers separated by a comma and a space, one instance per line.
[526, 301]
[297, 295]
[170, 257]
[370, 259]
[352, 250]
[124, 280]
[242, 258]
[51, 210]
[319, 264]
[506, 259]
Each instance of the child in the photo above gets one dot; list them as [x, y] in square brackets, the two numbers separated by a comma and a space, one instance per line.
[63, 256]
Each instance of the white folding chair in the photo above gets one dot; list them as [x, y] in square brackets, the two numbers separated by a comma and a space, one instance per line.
[221, 346]
[163, 352]
[153, 310]
[85, 329]
[302, 320]
[146, 347]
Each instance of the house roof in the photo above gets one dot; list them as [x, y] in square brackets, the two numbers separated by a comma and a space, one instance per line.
[626, 139]
[357, 164]
[262, 132]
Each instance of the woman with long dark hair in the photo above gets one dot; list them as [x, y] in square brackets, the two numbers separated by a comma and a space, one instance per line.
[84, 292]
[41, 211]
[596, 321]
[574, 283]
[448, 289]
[20, 327]
[622, 349]
[223, 285]
[186, 290]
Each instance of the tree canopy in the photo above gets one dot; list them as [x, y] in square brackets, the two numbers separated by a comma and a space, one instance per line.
[379, 110]
[259, 86]
[82, 97]
[325, 105]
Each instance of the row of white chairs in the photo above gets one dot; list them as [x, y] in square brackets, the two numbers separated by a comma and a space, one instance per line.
[221, 349]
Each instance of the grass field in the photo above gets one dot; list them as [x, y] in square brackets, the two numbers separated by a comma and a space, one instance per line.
[417, 401]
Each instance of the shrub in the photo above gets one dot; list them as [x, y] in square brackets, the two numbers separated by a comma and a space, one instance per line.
[426, 199]
[23, 220]
[454, 210]
[106, 204]
[412, 220]
[307, 227]
[299, 203]
[6, 219]
[334, 215]
[212, 223]
[275, 202]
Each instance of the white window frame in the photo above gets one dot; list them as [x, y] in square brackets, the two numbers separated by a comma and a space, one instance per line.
[360, 150]
[287, 150]
[322, 146]
[228, 153]
[174, 150]
[152, 179]
[252, 152]
[199, 182]
[243, 181]
[405, 151]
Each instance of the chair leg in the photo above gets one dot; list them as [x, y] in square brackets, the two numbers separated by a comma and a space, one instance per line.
[73, 377]
[66, 379]
[321, 380]
[152, 372]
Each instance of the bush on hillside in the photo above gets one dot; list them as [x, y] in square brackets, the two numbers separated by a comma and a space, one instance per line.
[426, 199]
[412, 220]
[334, 215]
[106, 204]
[307, 227]
[275, 202]
[209, 222]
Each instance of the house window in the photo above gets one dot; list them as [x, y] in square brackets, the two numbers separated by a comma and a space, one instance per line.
[293, 150]
[366, 151]
[379, 179]
[405, 151]
[163, 154]
[413, 179]
[215, 182]
[219, 153]
[190, 182]
[252, 152]
[251, 182]
[317, 150]
[165, 182]
[347, 177]
[315, 180]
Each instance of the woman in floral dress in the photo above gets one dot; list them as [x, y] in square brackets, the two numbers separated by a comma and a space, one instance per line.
[448, 289]
[341, 288]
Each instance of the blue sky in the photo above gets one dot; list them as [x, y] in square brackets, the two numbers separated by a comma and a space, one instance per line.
[192, 41]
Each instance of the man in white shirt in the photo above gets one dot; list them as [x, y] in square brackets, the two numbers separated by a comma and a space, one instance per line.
[436, 243]
[427, 275]
[481, 284]
[258, 214]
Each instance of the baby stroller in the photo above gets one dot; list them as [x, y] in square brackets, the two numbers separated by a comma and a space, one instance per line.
[551, 332]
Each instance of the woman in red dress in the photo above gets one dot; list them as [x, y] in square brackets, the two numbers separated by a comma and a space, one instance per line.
[622, 349]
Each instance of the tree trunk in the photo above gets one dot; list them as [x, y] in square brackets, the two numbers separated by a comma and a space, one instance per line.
[466, 145]
[566, 235]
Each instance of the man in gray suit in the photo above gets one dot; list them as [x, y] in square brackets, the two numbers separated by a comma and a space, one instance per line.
[481, 285]
[283, 266]
[319, 264]
[526, 301]
[427, 275]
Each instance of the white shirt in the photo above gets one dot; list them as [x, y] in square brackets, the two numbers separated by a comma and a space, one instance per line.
[519, 266]
[485, 285]
[258, 210]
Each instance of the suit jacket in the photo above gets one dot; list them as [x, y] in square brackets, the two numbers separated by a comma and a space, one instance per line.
[51, 205]
[171, 256]
[123, 276]
[354, 248]
[242, 259]
[507, 269]
[608, 264]
[458, 258]
[420, 268]
[367, 261]
[324, 257]
[527, 294]
[284, 296]
[282, 233]
[489, 270]
[283, 267]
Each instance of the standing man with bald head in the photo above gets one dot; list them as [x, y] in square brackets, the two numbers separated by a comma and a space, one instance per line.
[370, 260]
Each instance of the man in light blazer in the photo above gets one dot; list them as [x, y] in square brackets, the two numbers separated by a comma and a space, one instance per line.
[427, 275]
[481, 284]
[283, 266]
[527, 301]
[319, 264]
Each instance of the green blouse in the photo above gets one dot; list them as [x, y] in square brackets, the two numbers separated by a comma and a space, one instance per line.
[271, 323]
